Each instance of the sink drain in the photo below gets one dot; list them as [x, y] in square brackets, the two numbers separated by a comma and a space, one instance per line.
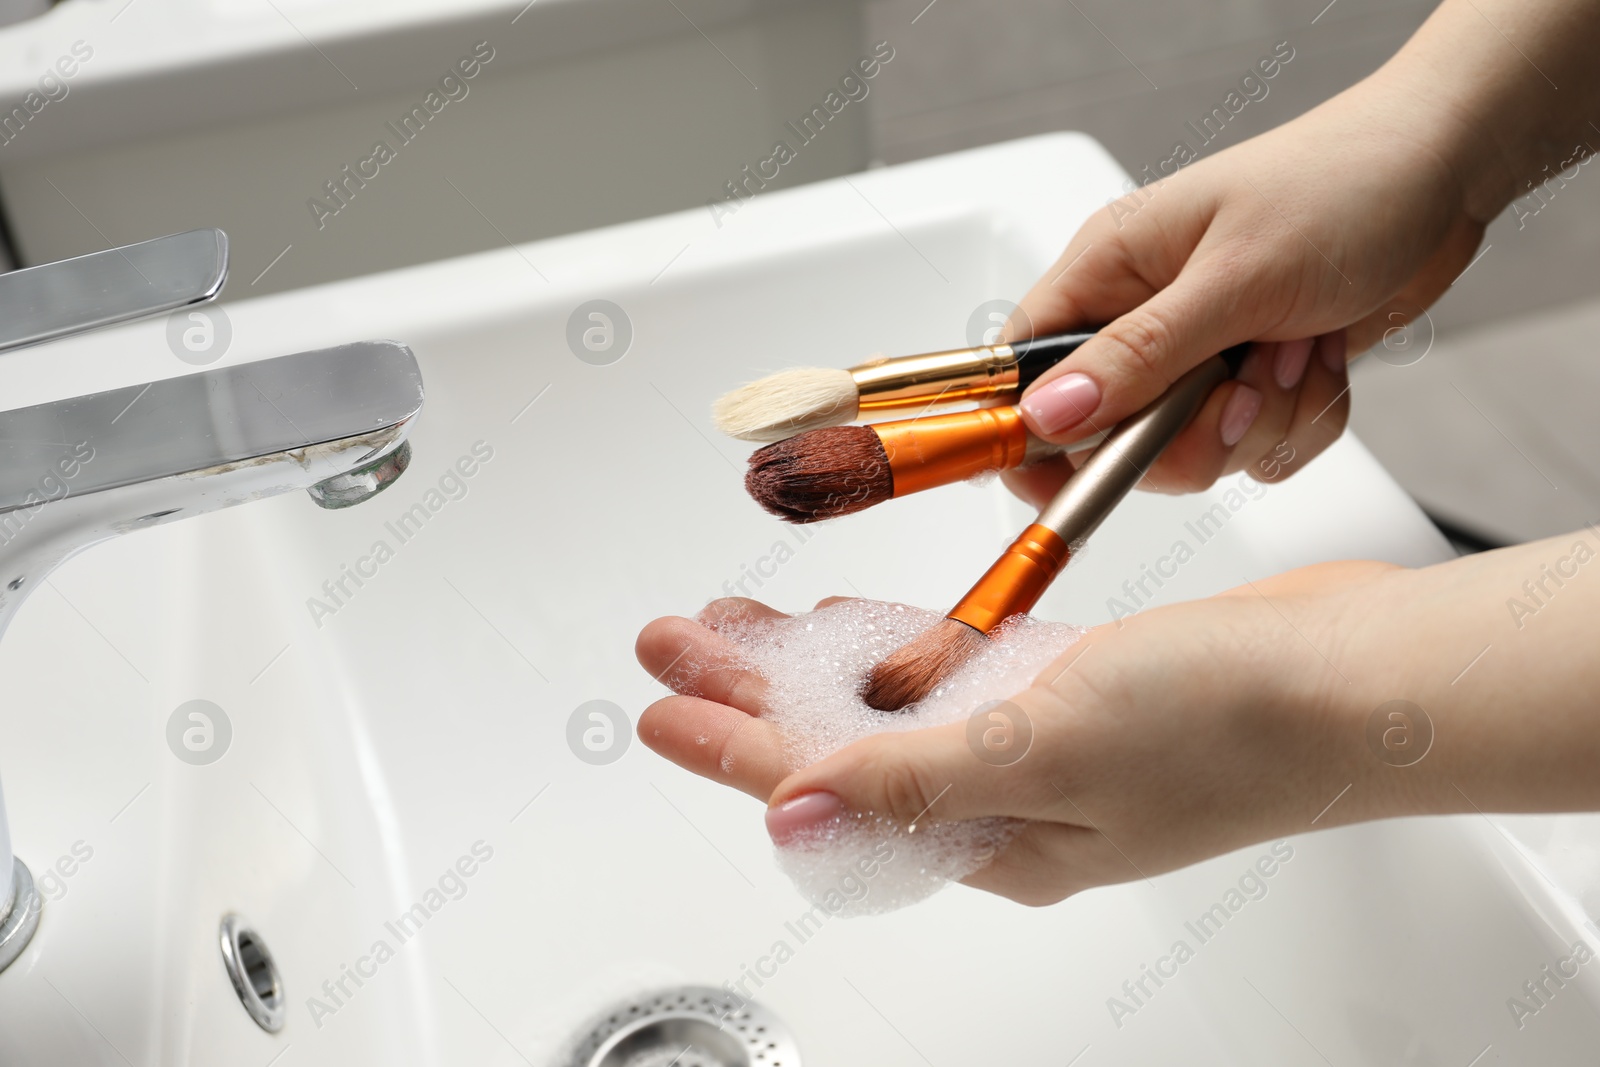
[253, 974]
[692, 1026]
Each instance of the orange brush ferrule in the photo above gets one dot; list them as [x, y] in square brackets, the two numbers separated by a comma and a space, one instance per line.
[943, 449]
[1016, 581]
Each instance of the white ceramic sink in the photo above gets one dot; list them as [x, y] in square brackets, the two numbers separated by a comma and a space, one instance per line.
[429, 712]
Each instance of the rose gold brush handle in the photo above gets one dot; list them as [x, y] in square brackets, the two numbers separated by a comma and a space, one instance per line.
[1025, 570]
[1102, 480]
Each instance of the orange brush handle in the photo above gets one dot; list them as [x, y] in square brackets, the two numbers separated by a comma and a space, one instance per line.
[943, 449]
[1016, 581]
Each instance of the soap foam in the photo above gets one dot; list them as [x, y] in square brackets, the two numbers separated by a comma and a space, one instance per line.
[867, 864]
[814, 665]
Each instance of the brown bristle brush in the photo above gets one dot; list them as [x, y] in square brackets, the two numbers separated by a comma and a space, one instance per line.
[840, 470]
[1021, 575]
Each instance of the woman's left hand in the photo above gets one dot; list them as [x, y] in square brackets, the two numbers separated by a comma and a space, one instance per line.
[1171, 736]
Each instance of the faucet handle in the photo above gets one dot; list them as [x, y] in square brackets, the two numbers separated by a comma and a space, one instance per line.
[52, 300]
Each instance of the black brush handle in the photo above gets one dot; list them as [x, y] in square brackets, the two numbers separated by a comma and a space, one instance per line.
[1039, 354]
[1234, 357]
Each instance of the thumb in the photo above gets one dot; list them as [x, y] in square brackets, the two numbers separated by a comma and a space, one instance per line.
[938, 773]
[1135, 358]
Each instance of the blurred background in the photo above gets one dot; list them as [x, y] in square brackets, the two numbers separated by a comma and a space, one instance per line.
[126, 119]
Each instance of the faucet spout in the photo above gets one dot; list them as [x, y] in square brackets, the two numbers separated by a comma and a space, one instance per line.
[363, 483]
[78, 471]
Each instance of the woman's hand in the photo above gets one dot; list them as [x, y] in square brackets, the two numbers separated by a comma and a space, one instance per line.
[1339, 226]
[1312, 240]
[1178, 734]
[1190, 730]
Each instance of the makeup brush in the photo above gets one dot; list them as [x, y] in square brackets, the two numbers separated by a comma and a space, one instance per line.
[1021, 575]
[807, 398]
[840, 470]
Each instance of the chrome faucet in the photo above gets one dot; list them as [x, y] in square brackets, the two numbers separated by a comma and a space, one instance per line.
[76, 472]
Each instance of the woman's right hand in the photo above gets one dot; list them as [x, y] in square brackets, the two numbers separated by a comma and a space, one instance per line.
[1313, 240]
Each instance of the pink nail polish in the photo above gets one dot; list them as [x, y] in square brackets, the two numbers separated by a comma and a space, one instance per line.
[1061, 403]
[1290, 364]
[1237, 415]
[1332, 348]
[803, 816]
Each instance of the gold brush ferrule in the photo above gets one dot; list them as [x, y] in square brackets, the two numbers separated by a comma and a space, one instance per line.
[1016, 581]
[935, 378]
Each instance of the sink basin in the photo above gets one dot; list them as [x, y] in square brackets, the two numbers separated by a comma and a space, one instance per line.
[414, 757]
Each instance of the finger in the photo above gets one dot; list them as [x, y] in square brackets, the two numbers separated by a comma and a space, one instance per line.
[1321, 411]
[1226, 437]
[691, 660]
[735, 611]
[1137, 356]
[1294, 421]
[1196, 458]
[1281, 377]
[1201, 452]
[830, 601]
[1235, 412]
[1037, 483]
[717, 742]
[907, 777]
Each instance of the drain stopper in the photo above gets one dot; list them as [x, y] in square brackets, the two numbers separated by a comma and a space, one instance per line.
[688, 1026]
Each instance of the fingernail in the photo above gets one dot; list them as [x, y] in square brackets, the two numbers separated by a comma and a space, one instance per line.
[1290, 364]
[1062, 403]
[1238, 414]
[1332, 347]
[802, 816]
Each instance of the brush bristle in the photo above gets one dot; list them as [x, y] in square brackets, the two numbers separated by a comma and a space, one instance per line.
[789, 402]
[915, 670]
[838, 470]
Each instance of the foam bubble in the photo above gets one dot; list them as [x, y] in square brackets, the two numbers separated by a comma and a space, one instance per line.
[814, 665]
